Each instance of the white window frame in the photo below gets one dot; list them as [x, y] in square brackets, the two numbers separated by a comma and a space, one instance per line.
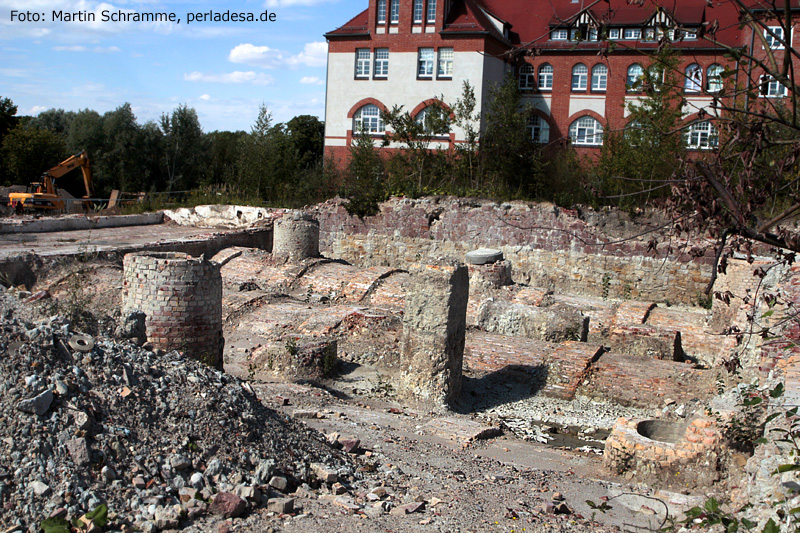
[363, 61]
[586, 131]
[381, 16]
[772, 88]
[430, 15]
[599, 78]
[702, 136]
[545, 77]
[394, 11]
[369, 118]
[527, 77]
[613, 33]
[381, 63]
[714, 83]
[426, 58]
[559, 35]
[539, 129]
[649, 34]
[419, 9]
[580, 77]
[632, 34]
[421, 119]
[773, 42]
[630, 81]
[693, 82]
[445, 63]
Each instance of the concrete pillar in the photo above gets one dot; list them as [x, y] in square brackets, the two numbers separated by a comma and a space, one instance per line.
[432, 342]
[296, 236]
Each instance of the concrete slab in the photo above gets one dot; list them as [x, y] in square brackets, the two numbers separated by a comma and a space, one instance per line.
[461, 430]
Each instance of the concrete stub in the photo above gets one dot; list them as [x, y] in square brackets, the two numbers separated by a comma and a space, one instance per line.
[484, 256]
[434, 327]
[296, 236]
[181, 298]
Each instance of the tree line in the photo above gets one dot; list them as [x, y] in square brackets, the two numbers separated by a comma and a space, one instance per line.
[274, 162]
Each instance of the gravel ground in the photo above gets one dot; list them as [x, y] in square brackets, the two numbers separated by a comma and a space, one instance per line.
[167, 443]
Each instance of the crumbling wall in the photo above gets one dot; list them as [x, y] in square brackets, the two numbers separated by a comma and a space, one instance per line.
[182, 299]
[548, 246]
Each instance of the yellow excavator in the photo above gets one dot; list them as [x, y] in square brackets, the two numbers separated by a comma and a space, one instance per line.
[42, 195]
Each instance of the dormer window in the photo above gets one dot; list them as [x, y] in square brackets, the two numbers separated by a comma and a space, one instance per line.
[632, 33]
[559, 35]
[613, 33]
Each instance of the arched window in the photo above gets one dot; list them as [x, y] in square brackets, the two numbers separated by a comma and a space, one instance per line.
[527, 80]
[634, 78]
[539, 129]
[434, 120]
[579, 77]
[545, 77]
[599, 78]
[714, 78]
[694, 78]
[586, 131]
[702, 135]
[368, 119]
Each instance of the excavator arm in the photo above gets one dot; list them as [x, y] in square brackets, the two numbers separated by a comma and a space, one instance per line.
[43, 194]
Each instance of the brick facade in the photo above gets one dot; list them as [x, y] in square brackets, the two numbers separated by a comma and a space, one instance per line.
[491, 38]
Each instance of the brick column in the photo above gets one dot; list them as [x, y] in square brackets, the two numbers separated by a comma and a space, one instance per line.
[434, 325]
[295, 237]
[181, 298]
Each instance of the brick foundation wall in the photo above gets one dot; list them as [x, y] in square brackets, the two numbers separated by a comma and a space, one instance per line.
[547, 246]
[182, 300]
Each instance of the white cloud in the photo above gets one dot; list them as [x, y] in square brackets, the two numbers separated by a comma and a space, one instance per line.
[79, 48]
[205, 97]
[311, 80]
[313, 55]
[35, 110]
[231, 77]
[69, 48]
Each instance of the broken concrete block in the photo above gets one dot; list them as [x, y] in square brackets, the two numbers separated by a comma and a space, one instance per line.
[281, 505]
[557, 323]
[324, 473]
[434, 326]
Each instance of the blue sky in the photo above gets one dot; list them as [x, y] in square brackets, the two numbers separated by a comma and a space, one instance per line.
[224, 70]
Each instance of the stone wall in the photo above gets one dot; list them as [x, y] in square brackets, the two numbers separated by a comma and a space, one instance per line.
[182, 299]
[548, 246]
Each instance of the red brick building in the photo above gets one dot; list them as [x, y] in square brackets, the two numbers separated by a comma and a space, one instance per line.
[576, 62]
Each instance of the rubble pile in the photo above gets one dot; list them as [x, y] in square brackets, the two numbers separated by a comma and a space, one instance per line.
[155, 437]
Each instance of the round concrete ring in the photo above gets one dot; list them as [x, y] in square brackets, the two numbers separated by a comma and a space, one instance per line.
[81, 343]
[484, 256]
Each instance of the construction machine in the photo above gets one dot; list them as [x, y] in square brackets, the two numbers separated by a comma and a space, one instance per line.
[42, 195]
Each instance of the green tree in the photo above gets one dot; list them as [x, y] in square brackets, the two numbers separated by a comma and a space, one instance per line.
[223, 157]
[416, 134]
[184, 149]
[510, 159]
[56, 120]
[364, 182]
[466, 165]
[29, 151]
[254, 156]
[636, 163]
[307, 134]
[8, 118]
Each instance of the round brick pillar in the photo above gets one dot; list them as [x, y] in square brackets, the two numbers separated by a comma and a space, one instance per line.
[181, 297]
[296, 236]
